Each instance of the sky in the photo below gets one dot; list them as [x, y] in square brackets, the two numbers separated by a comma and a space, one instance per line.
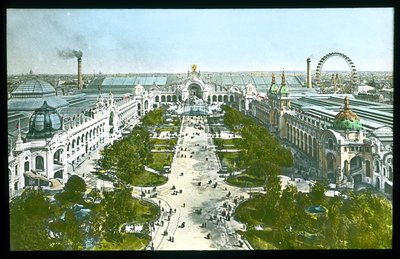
[219, 40]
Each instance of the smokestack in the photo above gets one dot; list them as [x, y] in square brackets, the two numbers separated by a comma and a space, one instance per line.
[71, 53]
[80, 81]
[309, 83]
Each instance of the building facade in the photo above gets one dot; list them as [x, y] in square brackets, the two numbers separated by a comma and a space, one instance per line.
[348, 141]
[350, 149]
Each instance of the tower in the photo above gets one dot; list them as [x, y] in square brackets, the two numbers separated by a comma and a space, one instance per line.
[309, 83]
[80, 80]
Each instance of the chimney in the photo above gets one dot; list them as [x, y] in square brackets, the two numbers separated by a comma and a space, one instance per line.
[309, 83]
[80, 81]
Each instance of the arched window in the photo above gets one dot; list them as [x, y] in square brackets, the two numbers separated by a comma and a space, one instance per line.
[390, 169]
[346, 167]
[330, 144]
[377, 168]
[39, 161]
[157, 98]
[330, 161]
[26, 166]
[57, 158]
[367, 168]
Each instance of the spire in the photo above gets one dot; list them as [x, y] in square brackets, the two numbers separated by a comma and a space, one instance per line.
[283, 78]
[346, 103]
[273, 78]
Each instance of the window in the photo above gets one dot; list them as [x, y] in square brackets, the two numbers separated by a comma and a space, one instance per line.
[330, 143]
[390, 176]
[26, 166]
[368, 168]
[39, 163]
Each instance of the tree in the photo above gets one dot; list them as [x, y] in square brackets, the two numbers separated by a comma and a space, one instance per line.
[285, 213]
[28, 221]
[70, 231]
[118, 210]
[371, 222]
[317, 194]
[74, 190]
[262, 168]
[273, 192]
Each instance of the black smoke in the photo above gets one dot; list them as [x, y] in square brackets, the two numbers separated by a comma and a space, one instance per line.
[69, 53]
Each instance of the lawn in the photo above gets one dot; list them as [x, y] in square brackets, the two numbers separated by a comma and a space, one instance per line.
[229, 141]
[144, 211]
[167, 128]
[161, 159]
[259, 239]
[132, 241]
[245, 180]
[147, 179]
[228, 158]
[157, 141]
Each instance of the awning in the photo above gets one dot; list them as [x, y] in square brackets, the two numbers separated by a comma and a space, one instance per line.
[36, 176]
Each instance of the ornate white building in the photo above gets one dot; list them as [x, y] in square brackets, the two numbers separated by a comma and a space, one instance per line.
[351, 149]
[56, 133]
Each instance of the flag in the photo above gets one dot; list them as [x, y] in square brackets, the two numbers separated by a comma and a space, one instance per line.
[17, 125]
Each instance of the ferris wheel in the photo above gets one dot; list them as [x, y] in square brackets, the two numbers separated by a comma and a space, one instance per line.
[350, 63]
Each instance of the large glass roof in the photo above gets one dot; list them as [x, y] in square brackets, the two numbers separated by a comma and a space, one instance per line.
[34, 86]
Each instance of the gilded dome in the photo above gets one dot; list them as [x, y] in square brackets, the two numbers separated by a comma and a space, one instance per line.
[347, 119]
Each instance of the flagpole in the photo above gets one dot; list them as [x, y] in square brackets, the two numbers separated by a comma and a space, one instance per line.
[19, 126]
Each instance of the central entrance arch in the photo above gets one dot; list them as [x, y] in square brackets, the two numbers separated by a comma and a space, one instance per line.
[195, 90]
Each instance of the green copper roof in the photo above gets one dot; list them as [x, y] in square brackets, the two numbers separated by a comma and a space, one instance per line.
[273, 88]
[283, 90]
[347, 124]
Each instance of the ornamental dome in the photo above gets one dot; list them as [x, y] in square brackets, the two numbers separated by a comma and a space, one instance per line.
[44, 122]
[347, 119]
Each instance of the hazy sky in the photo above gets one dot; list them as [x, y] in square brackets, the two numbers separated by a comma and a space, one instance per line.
[170, 40]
